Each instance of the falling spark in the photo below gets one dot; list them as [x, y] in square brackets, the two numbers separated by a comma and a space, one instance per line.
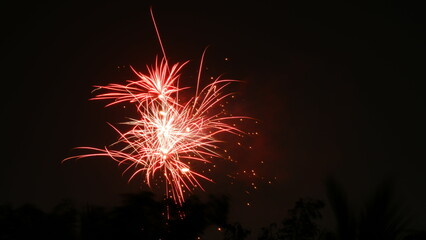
[167, 134]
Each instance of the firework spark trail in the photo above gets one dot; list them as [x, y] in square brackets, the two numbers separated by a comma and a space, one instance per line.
[167, 135]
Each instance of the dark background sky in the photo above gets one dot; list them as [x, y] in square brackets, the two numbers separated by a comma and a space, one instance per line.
[337, 87]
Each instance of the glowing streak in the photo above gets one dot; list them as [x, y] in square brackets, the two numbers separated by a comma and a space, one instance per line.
[167, 134]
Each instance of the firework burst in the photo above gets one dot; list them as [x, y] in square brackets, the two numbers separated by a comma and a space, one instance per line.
[168, 134]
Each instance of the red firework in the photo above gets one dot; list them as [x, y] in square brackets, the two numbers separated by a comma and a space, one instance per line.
[168, 134]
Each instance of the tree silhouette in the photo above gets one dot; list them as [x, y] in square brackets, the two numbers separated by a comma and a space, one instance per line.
[345, 219]
[29, 222]
[140, 216]
[269, 233]
[22, 223]
[94, 221]
[301, 223]
[197, 217]
[381, 218]
[235, 232]
[415, 235]
[62, 221]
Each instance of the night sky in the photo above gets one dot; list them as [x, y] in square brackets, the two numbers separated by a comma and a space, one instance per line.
[337, 89]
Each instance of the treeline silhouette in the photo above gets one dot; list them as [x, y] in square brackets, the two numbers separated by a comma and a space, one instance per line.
[140, 216]
[381, 218]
